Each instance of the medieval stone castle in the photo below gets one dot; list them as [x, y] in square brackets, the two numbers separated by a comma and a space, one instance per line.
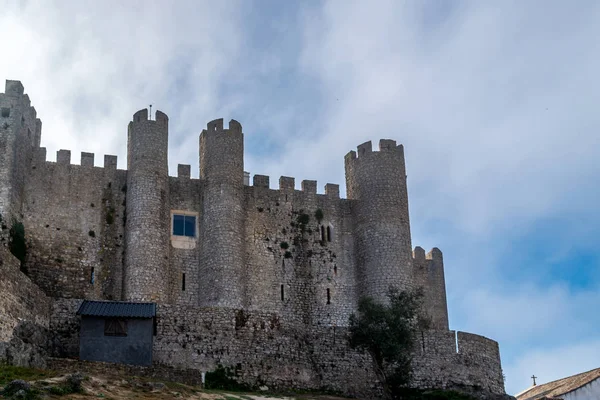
[243, 274]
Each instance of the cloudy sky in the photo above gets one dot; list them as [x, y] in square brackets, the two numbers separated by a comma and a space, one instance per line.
[495, 102]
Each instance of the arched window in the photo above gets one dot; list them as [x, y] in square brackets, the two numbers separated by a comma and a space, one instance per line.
[329, 233]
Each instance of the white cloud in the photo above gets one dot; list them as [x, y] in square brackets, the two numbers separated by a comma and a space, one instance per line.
[553, 363]
[88, 66]
[494, 118]
[519, 314]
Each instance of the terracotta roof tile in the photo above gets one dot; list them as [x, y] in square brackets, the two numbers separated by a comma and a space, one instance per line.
[556, 389]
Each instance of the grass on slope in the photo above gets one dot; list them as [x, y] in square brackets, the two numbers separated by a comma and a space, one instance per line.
[9, 373]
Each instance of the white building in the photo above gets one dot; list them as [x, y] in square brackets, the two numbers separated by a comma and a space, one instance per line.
[584, 386]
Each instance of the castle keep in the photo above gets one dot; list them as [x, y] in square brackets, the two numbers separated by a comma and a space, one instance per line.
[244, 275]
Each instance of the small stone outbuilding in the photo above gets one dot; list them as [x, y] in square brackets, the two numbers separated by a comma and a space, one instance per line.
[117, 332]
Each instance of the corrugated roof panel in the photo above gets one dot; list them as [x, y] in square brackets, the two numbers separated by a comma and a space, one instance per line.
[117, 309]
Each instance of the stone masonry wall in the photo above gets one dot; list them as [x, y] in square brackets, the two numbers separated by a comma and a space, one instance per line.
[64, 328]
[222, 246]
[267, 350]
[147, 268]
[429, 274]
[377, 183]
[293, 267]
[449, 359]
[263, 349]
[24, 316]
[73, 217]
[186, 196]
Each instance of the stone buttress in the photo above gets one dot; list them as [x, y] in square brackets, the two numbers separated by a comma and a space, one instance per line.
[222, 249]
[147, 276]
[376, 181]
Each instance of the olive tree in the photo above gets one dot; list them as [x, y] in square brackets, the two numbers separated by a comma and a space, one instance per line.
[387, 332]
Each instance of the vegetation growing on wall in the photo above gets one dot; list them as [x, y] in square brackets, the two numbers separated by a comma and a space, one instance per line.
[302, 221]
[319, 215]
[387, 332]
[110, 215]
[16, 242]
[223, 378]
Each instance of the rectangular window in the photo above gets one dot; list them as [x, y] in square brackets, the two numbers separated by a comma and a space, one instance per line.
[92, 276]
[183, 282]
[184, 225]
[115, 327]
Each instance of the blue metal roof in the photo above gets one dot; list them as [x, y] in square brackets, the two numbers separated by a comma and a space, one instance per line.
[121, 309]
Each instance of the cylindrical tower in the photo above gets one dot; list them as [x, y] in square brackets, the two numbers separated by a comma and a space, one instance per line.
[222, 252]
[147, 228]
[376, 181]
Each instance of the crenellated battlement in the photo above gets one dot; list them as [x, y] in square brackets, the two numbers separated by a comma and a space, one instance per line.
[63, 157]
[17, 114]
[288, 184]
[222, 153]
[216, 125]
[365, 150]
[428, 273]
[184, 171]
[434, 254]
[141, 116]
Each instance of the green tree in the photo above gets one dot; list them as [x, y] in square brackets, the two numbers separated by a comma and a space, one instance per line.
[387, 332]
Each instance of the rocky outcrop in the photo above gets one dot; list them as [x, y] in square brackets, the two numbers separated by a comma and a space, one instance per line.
[24, 316]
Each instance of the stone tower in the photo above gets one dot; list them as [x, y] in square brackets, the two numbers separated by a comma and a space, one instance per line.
[20, 133]
[377, 181]
[428, 273]
[147, 276]
[222, 261]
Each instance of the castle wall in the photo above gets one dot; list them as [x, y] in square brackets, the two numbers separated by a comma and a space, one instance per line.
[291, 268]
[265, 349]
[186, 196]
[64, 328]
[24, 316]
[449, 359]
[73, 218]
